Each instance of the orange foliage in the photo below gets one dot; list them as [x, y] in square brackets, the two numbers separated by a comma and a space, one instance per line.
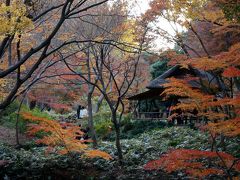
[61, 135]
[229, 128]
[214, 41]
[231, 72]
[225, 61]
[193, 98]
[193, 162]
[222, 111]
[96, 153]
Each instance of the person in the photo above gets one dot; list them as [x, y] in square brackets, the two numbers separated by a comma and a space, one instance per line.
[79, 111]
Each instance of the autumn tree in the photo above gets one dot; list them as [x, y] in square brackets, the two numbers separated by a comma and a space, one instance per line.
[230, 8]
[24, 27]
[107, 20]
[114, 67]
[61, 135]
[217, 98]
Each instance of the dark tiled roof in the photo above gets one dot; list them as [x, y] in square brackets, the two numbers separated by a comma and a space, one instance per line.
[180, 71]
[156, 86]
[152, 93]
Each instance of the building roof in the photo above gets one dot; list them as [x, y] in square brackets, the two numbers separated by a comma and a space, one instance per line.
[156, 86]
[152, 93]
[178, 71]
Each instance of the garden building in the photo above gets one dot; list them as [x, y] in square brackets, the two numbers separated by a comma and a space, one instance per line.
[151, 105]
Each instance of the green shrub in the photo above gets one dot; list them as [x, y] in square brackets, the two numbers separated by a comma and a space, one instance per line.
[103, 124]
[37, 112]
[13, 107]
[135, 128]
[8, 116]
[174, 142]
[103, 129]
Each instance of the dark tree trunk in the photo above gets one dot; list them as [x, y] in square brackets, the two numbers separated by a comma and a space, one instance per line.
[118, 144]
[90, 121]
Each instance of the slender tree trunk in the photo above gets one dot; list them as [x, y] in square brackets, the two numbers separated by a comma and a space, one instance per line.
[17, 130]
[98, 105]
[17, 120]
[90, 120]
[118, 144]
[237, 83]
[89, 99]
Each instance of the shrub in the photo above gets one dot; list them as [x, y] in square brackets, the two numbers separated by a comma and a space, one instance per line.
[9, 116]
[103, 129]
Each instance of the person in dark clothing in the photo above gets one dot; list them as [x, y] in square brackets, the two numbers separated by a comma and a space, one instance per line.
[79, 111]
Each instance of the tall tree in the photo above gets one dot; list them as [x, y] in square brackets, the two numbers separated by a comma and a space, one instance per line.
[24, 28]
[216, 100]
[115, 66]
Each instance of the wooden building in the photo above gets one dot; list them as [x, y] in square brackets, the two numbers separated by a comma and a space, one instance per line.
[150, 105]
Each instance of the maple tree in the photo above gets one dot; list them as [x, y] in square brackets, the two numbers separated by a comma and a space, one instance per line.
[109, 18]
[112, 71]
[217, 97]
[194, 163]
[21, 31]
[61, 135]
[53, 87]
[107, 69]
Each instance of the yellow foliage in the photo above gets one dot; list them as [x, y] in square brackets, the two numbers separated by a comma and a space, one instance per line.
[5, 85]
[3, 65]
[13, 19]
[129, 35]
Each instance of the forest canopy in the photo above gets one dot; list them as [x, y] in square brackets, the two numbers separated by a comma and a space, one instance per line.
[109, 89]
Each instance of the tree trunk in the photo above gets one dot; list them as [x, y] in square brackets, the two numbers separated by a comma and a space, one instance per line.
[89, 100]
[17, 121]
[100, 99]
[117, 130]
[90, 120]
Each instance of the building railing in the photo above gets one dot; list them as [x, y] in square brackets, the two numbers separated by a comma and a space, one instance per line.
[163, 116]
[150, 115]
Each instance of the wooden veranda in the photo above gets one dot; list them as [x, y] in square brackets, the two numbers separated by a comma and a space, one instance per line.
[151, 105]
[155, 116]
[137, 101]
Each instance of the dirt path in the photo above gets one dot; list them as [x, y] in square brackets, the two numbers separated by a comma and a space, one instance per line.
[8, 136]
